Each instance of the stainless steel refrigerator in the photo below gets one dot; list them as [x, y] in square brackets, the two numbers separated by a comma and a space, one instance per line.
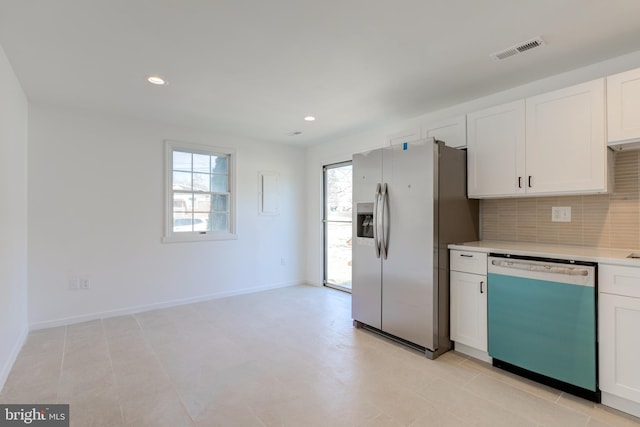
[411, 202]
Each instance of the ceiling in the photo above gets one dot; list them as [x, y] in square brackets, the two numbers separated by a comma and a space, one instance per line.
[255, 68]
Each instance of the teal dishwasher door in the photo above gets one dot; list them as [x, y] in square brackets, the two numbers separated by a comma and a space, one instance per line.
[542, 324]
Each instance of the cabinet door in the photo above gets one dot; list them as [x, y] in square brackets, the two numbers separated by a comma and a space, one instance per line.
[566, 147]
[469, 309]
[495, 151]
[623, 106]
[619, 346]
[401, 137]
[453, 131]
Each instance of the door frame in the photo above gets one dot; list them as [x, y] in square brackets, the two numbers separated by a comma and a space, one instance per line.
[325, 223]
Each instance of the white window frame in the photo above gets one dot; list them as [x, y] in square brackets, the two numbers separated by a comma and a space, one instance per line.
[196, 236]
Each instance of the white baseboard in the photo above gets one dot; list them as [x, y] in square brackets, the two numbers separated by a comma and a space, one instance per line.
[312, 283]
[155, 306]
[621, 404]
[473, 352]
[8, 364]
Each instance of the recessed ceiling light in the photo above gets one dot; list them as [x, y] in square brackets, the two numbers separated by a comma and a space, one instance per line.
[156, 80]
[309, 118]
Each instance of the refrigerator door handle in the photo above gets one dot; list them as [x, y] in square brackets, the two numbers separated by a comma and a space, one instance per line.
[385, 221]
[376, 241]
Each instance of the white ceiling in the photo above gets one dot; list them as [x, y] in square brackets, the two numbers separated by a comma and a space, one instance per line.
[255, 68]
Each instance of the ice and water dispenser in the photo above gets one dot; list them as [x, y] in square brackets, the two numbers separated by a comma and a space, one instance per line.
[365, 220]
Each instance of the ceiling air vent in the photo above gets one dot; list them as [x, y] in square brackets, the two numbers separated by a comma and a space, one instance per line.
[517, 49]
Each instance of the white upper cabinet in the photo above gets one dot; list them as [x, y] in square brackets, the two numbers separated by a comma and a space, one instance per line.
[549, 144]
[452, 131]
[566, 146]
[496, 150]
[406, 135]
[623, 107]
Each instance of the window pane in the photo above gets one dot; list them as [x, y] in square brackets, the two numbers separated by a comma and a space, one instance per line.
[182, 224]
[202, 203]
[200, 222]
[220, 203]
[219, 164]
[201, 163]
[201, 182]
[219, 222]
[181, 180]
[219, 183]
[338, 193]
[181, 203]
[181, 161]
[338, 237]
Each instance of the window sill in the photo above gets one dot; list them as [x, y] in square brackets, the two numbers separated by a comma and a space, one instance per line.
[198, 237]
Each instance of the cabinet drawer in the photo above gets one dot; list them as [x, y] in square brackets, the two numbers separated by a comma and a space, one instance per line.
[468, 262]
[619, 280]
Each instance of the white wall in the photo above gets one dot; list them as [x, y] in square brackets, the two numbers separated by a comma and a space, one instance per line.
[342, 149]
[13, 217]
[96, 209]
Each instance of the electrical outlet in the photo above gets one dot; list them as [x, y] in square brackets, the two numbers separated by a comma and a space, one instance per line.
[84, 283]
[282, 262]
[561, 214]
[73, 284]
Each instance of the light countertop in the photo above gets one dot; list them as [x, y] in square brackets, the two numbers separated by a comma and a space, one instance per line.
[565, 252]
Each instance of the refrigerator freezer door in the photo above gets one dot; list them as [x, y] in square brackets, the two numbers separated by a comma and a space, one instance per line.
[366, 301]
[408, 309]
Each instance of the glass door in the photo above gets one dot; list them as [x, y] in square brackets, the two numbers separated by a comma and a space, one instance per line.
[337, 225]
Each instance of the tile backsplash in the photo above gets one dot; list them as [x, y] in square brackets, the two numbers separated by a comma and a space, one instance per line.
[606, 220]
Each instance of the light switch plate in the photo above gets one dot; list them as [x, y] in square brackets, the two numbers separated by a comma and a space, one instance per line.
[561, 214]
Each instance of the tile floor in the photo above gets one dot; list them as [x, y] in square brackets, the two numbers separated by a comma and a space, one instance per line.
[287, 357]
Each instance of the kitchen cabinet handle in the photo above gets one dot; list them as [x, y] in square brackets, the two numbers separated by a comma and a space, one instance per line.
[519, 182]
[481, 291]
[466, 256]
[530, 181]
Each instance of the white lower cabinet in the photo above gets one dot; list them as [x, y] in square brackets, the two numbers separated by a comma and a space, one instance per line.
[469, 309]
[619, 342]
[468, 294]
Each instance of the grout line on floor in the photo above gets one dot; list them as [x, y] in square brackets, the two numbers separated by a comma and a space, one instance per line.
[499, 404]
[64, 350]
[113, 371]
[165, 372]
